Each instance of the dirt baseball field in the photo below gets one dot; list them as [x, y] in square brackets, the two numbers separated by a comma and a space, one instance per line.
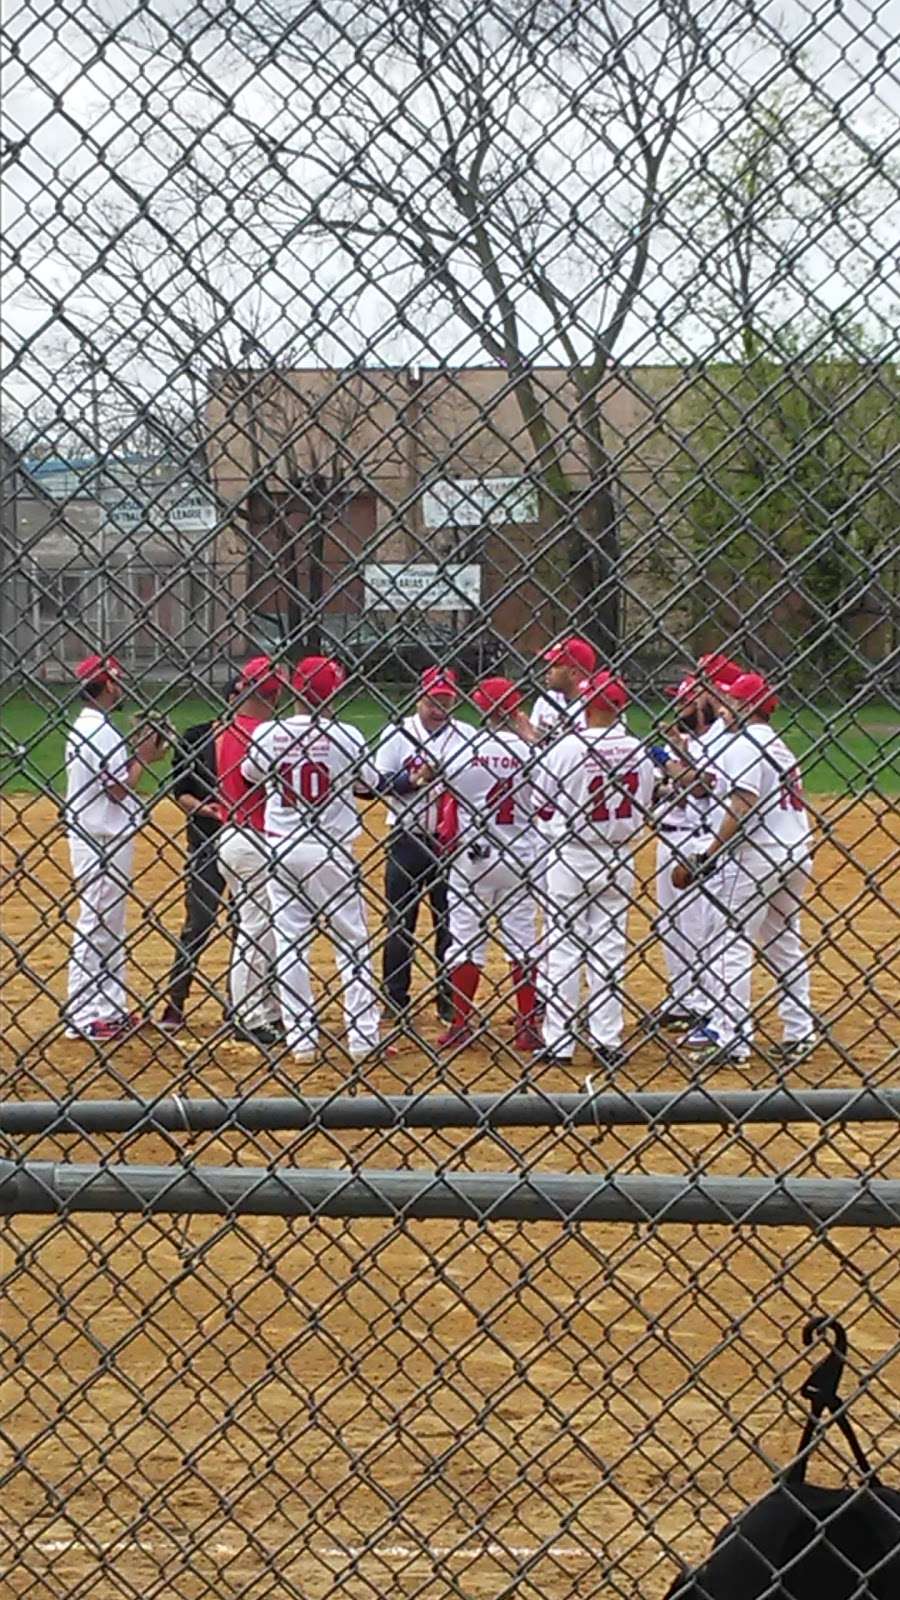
[302, 1410]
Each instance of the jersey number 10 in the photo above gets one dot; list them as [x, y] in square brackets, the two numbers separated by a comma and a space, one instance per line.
[307, 784]
[600, 811]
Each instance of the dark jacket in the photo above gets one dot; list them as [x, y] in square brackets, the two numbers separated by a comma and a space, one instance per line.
[194, 773]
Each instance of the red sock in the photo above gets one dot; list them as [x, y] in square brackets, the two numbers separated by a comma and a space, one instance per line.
[464, 982]
[526, 994]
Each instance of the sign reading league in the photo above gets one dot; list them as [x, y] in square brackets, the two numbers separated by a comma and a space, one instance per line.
[177, 505]
[472, 502]
[397, 585]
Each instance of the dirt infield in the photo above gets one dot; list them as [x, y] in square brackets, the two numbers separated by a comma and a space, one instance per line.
[366, 1409]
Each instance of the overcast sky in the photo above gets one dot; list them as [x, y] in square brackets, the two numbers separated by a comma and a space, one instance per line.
[157, 205]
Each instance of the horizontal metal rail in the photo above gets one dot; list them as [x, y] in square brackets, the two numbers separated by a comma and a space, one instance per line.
[177, 1114]
[51, 1187]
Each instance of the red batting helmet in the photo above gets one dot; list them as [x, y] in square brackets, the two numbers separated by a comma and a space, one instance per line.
[604, 689]
[752, 690]
[98, 672]
[497, 694]
[575, 653]
[264, 678]
[317, 678]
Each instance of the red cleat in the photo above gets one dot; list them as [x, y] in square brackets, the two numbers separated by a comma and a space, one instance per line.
[456, 1038]
[528, 1038]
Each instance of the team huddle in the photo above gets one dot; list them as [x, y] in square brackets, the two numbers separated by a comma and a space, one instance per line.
[525, 825]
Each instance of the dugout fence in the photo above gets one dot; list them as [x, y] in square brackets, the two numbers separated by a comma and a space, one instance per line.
[430, 337]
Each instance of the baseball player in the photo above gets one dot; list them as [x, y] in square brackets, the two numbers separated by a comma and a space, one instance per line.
[243, 857]
[555, 712]
[416, 856]
[102, 814]
[758, 866]
[311, 766]
[489, 779]
[600, 784]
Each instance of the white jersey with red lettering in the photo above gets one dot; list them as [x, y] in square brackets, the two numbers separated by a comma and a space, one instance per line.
[600, 783]
[309, 766]
[552, 713]
[490, 777]
[757, 761]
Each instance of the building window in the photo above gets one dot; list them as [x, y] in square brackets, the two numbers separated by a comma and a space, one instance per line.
[61, 595]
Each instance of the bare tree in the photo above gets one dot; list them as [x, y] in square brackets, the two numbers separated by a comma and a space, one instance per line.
[510, 163]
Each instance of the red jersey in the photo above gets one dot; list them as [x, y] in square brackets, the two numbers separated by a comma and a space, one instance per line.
[243, 804]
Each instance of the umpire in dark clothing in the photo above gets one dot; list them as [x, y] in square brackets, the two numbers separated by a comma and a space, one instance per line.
[195, 788]
[416, 866]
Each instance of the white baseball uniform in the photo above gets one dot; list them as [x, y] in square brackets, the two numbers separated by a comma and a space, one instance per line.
[244, 863]
[600, 784]
[490, 779]
[101, 833]
[553, 716]
[682, 829]
[309, 766]
[757, 893]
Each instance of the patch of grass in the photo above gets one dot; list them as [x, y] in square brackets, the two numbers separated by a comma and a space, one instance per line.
[840, 751]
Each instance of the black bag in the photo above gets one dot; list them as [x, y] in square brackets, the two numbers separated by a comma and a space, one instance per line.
[802, 1542]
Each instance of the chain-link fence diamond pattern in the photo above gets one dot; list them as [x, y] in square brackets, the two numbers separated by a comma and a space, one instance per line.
[450, 1028]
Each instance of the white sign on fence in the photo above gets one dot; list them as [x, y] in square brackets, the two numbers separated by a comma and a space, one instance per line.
[177, 506]
[394, 585]
[470, 502]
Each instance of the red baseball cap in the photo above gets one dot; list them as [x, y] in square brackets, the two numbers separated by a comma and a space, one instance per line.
[439, 683]
[751, 689]
[604, 689]
[497, 694]
[101, 670]
[317, 678]
[572, 653]
[720, 670]
[265, 678]
[688, 686]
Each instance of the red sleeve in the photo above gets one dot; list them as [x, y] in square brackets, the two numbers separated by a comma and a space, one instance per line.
[447, 828]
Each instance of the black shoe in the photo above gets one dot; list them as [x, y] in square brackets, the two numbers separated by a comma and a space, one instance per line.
[608, 1056]
[265, 1038]
[672, 1016]
[547, 1058]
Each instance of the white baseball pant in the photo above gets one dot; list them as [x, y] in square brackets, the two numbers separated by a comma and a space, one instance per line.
[308, 889]
[101, 869]
[245, 862]
[755, 904]
[540, 883]
[590, 894]
[681, 924]
[481, 889]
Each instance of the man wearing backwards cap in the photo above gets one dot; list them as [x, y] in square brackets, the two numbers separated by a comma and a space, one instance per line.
[243, 857]
[102, 813]
[311, 765]
[418, 746]
[759, 864]
[490, 780]
[600, 785]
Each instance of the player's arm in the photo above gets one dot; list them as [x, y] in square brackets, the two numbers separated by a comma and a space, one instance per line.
[256, 766]
[391, 773]
[120, 773]
[741, 800]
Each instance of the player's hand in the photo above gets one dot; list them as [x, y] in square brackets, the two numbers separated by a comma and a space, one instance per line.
[521, 723]
[681, 877]
[151, 743]
[423, 775]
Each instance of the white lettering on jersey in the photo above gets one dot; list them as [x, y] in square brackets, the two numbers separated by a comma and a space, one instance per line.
[490, 779]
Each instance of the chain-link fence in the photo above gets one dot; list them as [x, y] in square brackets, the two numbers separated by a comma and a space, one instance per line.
[449, 1038]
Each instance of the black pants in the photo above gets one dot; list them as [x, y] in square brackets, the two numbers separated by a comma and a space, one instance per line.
[203, 891]
[415, 869]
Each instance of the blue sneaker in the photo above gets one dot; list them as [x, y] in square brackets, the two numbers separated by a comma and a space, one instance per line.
[705, 1045]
